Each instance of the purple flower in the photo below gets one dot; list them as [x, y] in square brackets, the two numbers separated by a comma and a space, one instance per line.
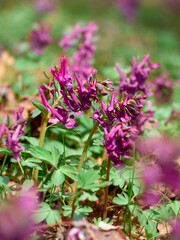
[162, 88]
[40, 38]
[138, 76]
[76, 95]
[117, 121]
[81, 38]
[44, 6]
[118, 142]
[176, 229]
[128, 8]
[164, 152]
[135, 84]
[79, 230]
[59, 114]
[15, 217]
[149, 199]
[13, 132]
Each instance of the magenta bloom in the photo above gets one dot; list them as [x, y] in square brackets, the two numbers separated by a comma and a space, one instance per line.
[162, 87]
[81, 38]
[118, 142]
[119, 131]
[16, 217]
[13, 132]
[128, 8]
[149, 199]
[140, 73]
[135, 83]
[40, 38]
[77, 96]
[165, 152]
[44, 6]
[176, 229]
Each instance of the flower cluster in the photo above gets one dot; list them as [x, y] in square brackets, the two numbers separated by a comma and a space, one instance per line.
[137, 80]
[15, 217]
[40, 38]
[117, 121]
[128, 8]
[136, 84]
[76, 96]
[162, 87]
[81, 38]
[13, 132]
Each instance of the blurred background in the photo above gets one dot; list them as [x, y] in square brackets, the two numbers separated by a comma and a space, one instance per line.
[127, 28]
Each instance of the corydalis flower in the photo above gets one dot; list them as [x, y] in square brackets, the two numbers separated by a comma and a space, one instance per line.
[125, 111]
[117, 121]
[165, 152]
[40, 38]
[119, 141]
[135, 85]
[162, 86]
[16, 217]
[44, 6]
[128, 8]
[79, 230]
[13, 132]
[81, 38]
[176, 230]
[76, 95]
[136, 81]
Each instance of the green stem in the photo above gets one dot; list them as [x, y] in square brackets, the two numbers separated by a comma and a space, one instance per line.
[4, 162]
[83, 155]
[21, 168]
[43, 133]
[64, 159]
[106, 190]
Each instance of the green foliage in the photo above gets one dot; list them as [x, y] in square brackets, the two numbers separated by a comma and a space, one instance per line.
[40, 106]
[46, 213]
[121, 199]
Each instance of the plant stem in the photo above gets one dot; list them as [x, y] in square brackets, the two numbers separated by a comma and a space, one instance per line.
[4, 162]
[21, 168]
[106, 190]
[42, 135]
[83, 155]
[64, 159]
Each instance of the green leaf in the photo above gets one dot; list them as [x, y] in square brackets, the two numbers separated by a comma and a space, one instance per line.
[45, 212]
[40, 106]
[176, 207]
[6, 151]
[4, 181]
[121, 199]
[32, 140]
[42, 213]
[27, 184]
[53, 217]
[43, 154]
[36, 113]
[69, 171]
[55, 154]
[57, 86]
[90, 196]
[87, 178]
[57, 177]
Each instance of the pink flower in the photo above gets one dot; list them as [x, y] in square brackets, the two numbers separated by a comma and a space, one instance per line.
[16, 217]
[40, 38]
[13, 132]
